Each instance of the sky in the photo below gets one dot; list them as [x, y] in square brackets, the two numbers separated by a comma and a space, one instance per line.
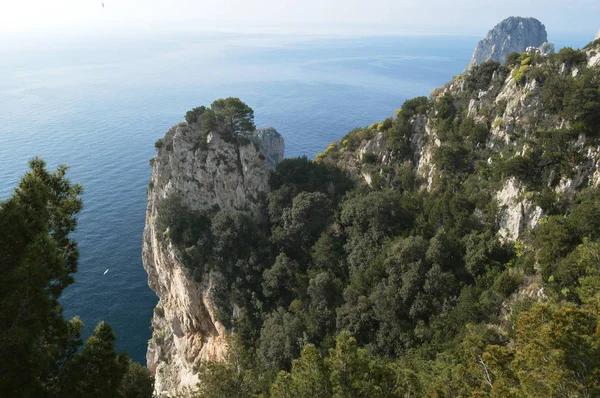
[344, 17]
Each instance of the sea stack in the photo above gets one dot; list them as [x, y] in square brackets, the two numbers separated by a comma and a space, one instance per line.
[204, 172]
[512, 34]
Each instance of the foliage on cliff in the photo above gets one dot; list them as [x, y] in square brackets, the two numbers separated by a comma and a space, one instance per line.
[41, 352]
[226, 116]
[401, 287]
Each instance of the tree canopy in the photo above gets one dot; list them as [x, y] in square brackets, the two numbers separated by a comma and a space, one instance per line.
[40, 350]
[228, 117]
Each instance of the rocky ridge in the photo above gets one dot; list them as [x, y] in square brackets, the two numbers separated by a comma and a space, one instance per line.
[204, 171]
[514, 112]
[231, 175]
[514, 34]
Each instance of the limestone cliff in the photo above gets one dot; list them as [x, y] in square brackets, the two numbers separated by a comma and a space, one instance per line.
[204, 171]
[512, 111]
[207, 171]
[271, 144]
[512, 34]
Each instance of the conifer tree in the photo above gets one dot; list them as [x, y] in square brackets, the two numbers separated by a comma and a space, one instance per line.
[38, 347]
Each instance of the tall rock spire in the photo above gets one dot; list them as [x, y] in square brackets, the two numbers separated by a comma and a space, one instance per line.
[512, 34]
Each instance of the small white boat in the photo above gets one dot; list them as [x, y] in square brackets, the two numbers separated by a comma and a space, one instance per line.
[105, 272]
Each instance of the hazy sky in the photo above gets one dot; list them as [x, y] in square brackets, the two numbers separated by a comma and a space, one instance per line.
[292, 16]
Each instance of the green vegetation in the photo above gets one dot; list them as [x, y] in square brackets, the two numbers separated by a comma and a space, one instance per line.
[228, 117]
[575, 99]
[41, 352]
[378, 293]
[399, 135]
[520, 74]
[480, 76]
[340, 290]
[512, 59]
[572, 57]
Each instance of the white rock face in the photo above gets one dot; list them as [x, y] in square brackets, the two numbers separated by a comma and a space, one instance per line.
[204, 172]
[593, 53]
[516, 213]
[375, 145]
[271, 144]
[512, 34]
[517, 113]
[546, 48]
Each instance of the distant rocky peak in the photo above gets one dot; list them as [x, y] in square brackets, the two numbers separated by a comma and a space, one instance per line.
[597, 35]
[512, 34]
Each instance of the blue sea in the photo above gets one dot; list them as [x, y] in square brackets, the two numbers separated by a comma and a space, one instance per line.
[98, 105]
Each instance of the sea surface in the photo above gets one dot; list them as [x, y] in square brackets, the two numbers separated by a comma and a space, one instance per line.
[98, 105]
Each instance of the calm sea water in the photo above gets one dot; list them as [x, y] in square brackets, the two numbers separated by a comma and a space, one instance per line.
[99, 106]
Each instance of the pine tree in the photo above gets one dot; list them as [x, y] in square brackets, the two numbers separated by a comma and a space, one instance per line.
[97, 370]
[37, 258]
[38, 348]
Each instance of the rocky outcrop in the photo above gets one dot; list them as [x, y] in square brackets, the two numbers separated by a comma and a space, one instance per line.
[512, 34]
[512, 111]
[271, 144]
[517, 213]
[546, 48]
[205, 172]
[593, 52]
[374, 146]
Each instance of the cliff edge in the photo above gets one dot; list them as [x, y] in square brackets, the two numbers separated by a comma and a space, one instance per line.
[204, 171]
[492, 155]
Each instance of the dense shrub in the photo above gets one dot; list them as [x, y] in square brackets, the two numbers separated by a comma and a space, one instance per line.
[512, 59]
[369, 158]
[398, 136]
[228, 117]
[480, 76]
[520, 75]
[195, 115]
[571, 57]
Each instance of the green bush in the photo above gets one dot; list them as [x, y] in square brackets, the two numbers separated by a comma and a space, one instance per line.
[520, 75]
[228, 117]
[369, 158]
[159, 311]
[539, 73]
[507, 283]
[195, 115]
[398, 136]
[387, 123]
[572, 57]
[512, 59]
[480, 76]
[443, 107]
